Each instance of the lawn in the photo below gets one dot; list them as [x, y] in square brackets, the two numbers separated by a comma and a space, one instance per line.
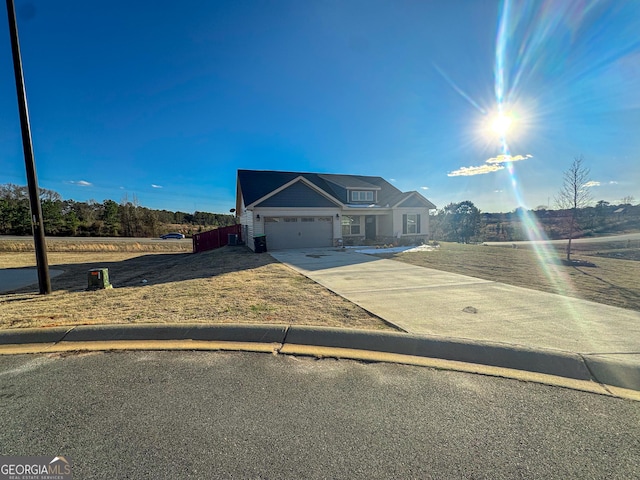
[614, 280]
[229, 285]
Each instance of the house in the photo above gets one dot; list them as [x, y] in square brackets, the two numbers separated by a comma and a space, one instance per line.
[297, 210]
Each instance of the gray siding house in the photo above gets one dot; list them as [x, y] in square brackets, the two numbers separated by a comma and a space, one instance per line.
[298, 210]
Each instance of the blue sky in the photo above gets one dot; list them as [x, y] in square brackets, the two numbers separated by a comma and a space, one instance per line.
[166, 100]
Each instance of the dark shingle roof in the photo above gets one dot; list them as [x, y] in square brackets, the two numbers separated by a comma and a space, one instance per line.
[255, 184]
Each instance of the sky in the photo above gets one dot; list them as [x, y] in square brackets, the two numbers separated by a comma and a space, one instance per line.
[164, 101]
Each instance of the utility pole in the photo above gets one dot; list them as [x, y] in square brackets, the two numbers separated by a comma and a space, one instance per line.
[44, 280]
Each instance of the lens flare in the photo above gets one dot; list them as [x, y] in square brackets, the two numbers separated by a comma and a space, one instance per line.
[501, 124]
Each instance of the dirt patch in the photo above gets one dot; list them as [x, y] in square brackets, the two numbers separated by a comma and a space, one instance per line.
[229, 285]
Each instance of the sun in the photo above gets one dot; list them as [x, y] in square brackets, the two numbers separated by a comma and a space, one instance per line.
[502, 123]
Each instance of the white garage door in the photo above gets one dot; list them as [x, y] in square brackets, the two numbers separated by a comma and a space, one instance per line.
[298, 232]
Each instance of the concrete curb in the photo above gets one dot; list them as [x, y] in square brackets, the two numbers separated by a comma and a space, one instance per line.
[614, 372]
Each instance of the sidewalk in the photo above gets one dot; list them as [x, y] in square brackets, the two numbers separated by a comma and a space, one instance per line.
[435, 303]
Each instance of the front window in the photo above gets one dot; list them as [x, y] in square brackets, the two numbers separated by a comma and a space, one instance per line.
[411, 223]
[361, 196]
[350, 225]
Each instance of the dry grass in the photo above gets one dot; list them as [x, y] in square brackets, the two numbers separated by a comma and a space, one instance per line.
[613, 281]
[97, 245]
[229, 285]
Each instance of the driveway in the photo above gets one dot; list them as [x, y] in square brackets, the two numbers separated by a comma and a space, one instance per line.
[14, 278]
[432, 302]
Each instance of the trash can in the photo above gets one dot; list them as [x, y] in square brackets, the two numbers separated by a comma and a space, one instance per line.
[233, 239]
[260, 243]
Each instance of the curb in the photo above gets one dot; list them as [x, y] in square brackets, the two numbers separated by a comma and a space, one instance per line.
[606, 371]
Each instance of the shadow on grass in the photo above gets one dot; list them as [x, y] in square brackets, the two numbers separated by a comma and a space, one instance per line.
[157, 268]
[627, 294]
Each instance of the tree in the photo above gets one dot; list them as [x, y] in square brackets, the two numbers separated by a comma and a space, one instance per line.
[574, 195]
[601, 213]
[628, 200]
[459, 222]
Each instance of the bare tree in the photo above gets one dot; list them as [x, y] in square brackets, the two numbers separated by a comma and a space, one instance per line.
[628, 200]
[574, 195]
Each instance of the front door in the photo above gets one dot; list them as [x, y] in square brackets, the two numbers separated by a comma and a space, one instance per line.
[370, 227]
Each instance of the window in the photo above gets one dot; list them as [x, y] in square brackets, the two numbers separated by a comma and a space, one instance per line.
[350, 225]
[410, 223]
[290, 219]
[361, 196]
[307, 219]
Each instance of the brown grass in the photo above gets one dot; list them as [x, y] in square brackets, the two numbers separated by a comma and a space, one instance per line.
[613, 281]
[229, 285]
[97, 245]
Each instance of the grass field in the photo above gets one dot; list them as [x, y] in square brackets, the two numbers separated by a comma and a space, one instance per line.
[234, 285]
[97, 244]
[615, 279]
[229, 285]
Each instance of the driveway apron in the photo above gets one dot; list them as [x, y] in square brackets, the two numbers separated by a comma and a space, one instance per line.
[436, 303]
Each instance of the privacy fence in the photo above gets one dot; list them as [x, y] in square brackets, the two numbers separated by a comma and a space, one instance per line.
[216, 238]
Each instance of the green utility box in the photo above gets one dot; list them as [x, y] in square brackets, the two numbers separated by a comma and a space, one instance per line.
[98, 279]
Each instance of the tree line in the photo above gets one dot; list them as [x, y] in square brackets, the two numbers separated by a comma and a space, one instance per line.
[463, 222]
[108, 218]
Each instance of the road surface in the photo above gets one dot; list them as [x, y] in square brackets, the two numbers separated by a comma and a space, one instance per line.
[611, 238]
[249, 415]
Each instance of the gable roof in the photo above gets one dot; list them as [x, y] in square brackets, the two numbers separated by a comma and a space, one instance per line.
[255, 185]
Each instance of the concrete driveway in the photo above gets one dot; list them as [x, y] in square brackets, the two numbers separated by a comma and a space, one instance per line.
[426, 301]
[14, 278]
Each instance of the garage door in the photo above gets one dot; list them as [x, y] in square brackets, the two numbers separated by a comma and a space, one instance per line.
[298, 232]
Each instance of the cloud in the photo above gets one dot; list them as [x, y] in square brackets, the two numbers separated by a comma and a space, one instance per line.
[481, 170]
[153, 185]
[613, 182]
[81, 183]
[424, 188]
[497, 191]
[508, 158]
[393, 179]
[592, 183]
[491, 165]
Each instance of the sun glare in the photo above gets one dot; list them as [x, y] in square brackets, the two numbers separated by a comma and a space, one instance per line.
[501, 124]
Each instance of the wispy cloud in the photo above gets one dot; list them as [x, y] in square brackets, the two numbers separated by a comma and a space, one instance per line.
[81, 183]
[497, 191]
[424, 188]
[613, 182]
[481, 170]
[491, 165]
[153, 185]
[392, 180]
[592, 183]
[508, 158]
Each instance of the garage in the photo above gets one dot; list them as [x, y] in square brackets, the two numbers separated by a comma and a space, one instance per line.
[298, 232]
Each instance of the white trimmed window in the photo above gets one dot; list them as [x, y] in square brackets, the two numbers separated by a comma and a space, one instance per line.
[410, 223]
[350, 225]
[361, 196]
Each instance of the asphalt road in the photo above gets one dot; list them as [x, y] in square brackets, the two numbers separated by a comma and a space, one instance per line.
[612, 238]
[246, 415]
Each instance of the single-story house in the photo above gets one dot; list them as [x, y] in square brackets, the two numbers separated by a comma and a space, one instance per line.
[297, 210]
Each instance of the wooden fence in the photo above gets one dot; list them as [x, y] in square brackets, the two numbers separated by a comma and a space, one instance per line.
[215, 238]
